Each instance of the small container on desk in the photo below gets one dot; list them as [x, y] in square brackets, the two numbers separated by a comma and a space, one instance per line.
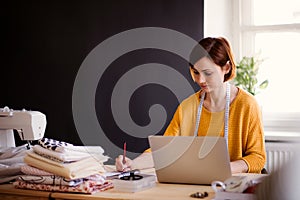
[134, 183]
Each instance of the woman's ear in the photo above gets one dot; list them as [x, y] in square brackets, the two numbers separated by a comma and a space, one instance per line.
[192, 74]
[227, 67]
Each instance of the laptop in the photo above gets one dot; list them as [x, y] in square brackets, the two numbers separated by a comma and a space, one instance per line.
[190, 160]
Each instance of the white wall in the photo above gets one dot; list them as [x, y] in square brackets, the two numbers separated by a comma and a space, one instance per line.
[219, 20]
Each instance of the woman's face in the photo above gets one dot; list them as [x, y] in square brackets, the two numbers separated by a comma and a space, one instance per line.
[208, 75]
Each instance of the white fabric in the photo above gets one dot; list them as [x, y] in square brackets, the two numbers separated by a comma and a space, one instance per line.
[71, 155]
[78, 169]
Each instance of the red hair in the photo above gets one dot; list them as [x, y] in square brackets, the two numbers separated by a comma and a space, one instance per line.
[219, 51]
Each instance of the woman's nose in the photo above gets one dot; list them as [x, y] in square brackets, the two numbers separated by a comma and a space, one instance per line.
[201, 79]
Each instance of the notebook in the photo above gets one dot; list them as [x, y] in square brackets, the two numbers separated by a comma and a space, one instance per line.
[190, 160]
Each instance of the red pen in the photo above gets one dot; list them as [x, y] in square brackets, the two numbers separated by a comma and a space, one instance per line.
[124, 153]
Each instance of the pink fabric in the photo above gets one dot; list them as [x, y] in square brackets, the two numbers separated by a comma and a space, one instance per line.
[87, 187]
[59, 181]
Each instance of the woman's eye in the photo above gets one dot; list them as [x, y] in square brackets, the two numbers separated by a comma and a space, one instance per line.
[207, 73]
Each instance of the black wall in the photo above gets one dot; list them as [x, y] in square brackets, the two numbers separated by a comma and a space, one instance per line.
[45, 43]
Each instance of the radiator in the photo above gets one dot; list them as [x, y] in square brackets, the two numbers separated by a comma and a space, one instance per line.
[278, 153]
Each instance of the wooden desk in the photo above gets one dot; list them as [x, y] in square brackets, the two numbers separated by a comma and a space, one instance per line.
[7, 191]
[160, 191]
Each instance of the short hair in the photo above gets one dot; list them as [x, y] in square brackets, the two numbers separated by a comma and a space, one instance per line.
[216, 49]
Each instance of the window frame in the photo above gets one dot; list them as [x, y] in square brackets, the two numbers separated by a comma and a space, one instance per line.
[243, 43]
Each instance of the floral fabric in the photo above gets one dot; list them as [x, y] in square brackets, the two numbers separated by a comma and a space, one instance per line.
[87, 187]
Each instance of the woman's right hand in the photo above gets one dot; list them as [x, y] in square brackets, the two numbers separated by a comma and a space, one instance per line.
[123, 166]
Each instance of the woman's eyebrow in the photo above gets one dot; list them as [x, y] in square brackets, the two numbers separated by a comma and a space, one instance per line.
[203, 70]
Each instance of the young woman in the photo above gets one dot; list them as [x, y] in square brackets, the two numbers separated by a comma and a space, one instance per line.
[218, 109]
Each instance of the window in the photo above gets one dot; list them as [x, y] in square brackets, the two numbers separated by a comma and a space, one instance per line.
[271, 30]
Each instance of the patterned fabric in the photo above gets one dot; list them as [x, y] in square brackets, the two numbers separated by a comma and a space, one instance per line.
[87, 187]
[52, 144]
[60, 181]
[29, 170]
[49, 180]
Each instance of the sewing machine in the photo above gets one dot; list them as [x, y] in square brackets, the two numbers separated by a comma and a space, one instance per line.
[30, 125]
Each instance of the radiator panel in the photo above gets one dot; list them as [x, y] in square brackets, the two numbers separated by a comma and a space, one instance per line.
[279, 153]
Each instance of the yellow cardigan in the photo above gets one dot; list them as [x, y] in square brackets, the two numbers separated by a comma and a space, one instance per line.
[245, 135]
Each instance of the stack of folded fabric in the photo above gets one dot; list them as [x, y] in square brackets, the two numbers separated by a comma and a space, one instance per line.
[60, 166]
[11, 161]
